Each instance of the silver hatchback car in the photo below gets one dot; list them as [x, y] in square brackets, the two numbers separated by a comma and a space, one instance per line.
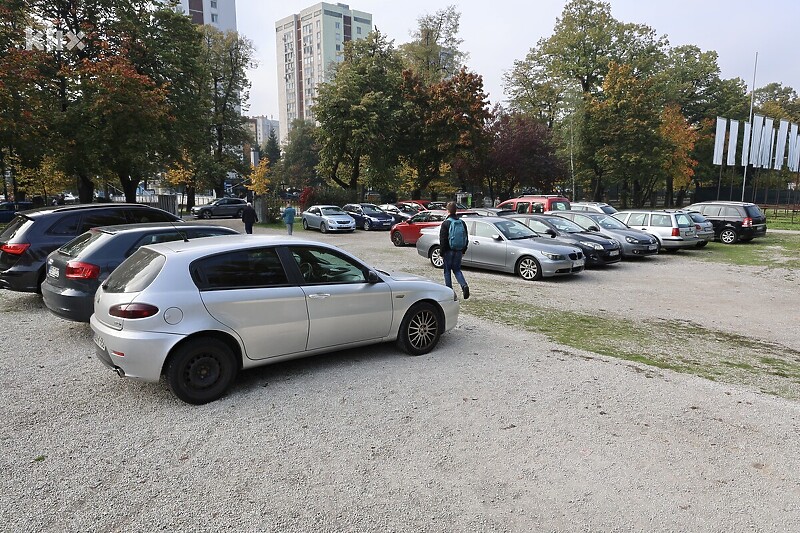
[673, 229]
[198, 312]
[500, 243]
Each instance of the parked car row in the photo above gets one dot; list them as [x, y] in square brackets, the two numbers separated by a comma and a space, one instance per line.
[196, 303]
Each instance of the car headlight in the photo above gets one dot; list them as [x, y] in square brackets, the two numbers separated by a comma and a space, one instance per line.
[553, 257]
[592, 245]
[631, 240]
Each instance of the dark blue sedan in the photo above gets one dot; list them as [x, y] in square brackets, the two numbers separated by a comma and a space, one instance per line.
[369, 216]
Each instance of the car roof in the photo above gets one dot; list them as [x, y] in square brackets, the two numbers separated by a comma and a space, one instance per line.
[324, 205]
[723, 202]
[203, 247]
[42, 211]
[145, 227]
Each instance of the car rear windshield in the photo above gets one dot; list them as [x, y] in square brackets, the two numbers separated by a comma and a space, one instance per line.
[11, 229]
[74, 247]
[753, 211]
[136, 272]
[683, 221]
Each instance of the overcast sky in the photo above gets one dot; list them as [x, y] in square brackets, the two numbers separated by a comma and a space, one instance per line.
[498, 32]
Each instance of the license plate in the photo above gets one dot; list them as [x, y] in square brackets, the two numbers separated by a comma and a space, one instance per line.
[52, 271]
[98, 340]
[652, 247]
[613, 253]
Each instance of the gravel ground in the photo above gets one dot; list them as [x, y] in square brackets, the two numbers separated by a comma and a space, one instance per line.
[496, 430]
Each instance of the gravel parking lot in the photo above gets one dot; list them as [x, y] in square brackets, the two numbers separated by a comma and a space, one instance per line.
[496, 430]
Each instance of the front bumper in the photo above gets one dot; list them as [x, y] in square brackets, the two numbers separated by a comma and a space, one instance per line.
[639, 250]
[133, 354]
[561, 268]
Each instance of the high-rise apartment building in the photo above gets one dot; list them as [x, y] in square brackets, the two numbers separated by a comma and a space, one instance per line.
[265, 125]
[307, 44]
[218, 13]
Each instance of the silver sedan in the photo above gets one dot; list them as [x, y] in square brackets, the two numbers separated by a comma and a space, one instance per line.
[327, 218]
[498, 243]
[199, 311]
[632, 242]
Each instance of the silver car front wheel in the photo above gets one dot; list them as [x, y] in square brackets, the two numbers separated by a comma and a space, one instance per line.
[528, 269]
[420, 330]
[436, 257]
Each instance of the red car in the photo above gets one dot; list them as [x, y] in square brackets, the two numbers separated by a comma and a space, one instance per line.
[408, 232]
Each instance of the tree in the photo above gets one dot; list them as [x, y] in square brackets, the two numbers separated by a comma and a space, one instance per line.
[361, 112]
[259, 181]
[271, 149]
[433, 54]
[298, 165]
[678, 138]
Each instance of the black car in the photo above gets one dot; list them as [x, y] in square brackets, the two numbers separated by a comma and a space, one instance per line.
[369, 216]
[9, 209]
[221, 207]
[733, 221]
[27, 240]
[75, 270]
[598, 249]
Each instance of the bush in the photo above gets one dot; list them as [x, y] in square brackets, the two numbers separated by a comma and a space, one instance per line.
[326, 196]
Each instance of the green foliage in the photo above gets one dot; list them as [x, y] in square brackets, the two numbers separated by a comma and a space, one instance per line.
[298, 165]
[328, 196]
[433, 53]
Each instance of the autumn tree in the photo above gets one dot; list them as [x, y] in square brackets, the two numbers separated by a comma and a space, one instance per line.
[434, 52]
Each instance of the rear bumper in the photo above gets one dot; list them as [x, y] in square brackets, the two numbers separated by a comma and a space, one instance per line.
[134, 354]
[68, 303]
[677, 244]
[20, 280]
[753, 232]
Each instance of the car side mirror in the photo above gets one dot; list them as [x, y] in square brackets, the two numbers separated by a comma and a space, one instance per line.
[550, 232]
[593, 228]
[372, 277]
[496, 237]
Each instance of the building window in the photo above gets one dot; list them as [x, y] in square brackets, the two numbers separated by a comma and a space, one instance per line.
[214, 4]
[338, 48]
[214, 17]
[358, 30]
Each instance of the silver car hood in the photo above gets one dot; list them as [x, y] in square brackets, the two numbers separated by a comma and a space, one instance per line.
[542, 245]
[405, 276]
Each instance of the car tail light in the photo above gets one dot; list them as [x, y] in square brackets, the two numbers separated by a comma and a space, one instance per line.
[15, 249]
[676, 232]
[134, 310]
[80, 270]
[747, 223]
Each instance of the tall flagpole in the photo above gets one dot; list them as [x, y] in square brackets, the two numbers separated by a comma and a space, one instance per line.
[752, 96]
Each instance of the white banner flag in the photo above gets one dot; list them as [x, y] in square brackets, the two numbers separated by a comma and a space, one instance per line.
[732, 140]
[746, 144]
[755, 140]
[796, 158]
[719, 140]
[780, 144]
[792, 147]
[766, 143]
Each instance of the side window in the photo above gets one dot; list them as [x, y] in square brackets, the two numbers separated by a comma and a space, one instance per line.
[485, 230]
[67, 225]
[730, 211]
[102, 218]
[149, 215]
[537, 226]
[537, 208]
[638, 219]
[157, 238]
[242, 269]
[436, 217]
[585, 221]
[711, 210]
[200, 233]
[522, 207]
[661, 221]
[319, 265]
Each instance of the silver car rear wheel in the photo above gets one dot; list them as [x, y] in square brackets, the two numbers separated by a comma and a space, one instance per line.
[201, 370]
[420, 330]
[528, 269]
[436, 257]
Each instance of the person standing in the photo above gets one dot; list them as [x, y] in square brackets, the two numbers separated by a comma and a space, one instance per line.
[288, 217]
[453, 241]
[249, 218]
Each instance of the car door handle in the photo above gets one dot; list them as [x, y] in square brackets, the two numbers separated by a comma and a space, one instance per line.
[319, 296]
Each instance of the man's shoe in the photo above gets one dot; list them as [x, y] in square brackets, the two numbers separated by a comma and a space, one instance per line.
[465, 288]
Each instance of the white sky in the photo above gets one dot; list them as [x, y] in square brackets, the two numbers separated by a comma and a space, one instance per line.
[496, 33]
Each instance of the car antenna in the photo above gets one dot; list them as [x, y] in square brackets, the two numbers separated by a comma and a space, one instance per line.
[182, 233]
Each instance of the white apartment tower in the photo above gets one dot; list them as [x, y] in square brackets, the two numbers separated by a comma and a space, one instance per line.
[306, 44]
[218, 13]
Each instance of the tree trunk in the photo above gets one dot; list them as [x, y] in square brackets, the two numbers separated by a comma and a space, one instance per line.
[668, 194]
[638, 201]
[190, 192]
[85, 189]
[128, 186]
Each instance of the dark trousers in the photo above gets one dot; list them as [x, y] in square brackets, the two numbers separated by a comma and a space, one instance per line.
[248, 227]
[452, 264]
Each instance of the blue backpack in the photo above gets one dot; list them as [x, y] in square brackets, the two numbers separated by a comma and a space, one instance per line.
[457, 235]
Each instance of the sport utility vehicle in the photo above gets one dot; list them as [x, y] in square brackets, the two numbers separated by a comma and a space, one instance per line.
[221, 207]
[673, 229]
[536, 203]
[26, 241]
[733, 221]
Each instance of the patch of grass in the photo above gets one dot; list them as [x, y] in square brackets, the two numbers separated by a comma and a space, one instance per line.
[666, 344]
[774, 250]
[782, 218]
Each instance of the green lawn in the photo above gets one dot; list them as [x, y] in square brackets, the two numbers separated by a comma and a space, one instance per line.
[774, 250]
[782, 219]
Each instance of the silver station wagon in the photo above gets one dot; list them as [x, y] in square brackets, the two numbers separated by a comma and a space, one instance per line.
[499, 243]
[199, 311]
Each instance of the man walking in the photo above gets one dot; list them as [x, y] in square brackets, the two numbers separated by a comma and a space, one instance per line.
[288, 217]
[453, 243]
[249, 218]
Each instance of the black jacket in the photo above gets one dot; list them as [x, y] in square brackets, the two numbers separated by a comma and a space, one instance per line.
[249, 215]
[444, 234]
